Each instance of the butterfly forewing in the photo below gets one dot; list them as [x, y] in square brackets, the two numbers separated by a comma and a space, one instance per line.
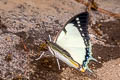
[72, 42]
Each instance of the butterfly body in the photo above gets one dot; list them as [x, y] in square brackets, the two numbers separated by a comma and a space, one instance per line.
[63, 55]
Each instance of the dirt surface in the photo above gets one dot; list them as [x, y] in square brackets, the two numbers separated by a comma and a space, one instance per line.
[25, 24]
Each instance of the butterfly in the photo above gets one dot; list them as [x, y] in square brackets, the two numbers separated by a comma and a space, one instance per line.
[72, 44]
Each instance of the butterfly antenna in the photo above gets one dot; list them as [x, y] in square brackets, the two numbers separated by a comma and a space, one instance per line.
[40, 56]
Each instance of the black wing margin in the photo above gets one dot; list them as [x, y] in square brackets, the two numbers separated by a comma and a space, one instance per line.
[81, 22]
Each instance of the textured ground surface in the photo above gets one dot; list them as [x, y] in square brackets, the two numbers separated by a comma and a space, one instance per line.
[25, 24]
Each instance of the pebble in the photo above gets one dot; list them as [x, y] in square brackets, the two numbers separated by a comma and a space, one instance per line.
[99, 57]
[62, 79]
[118, 64]
[46, 61]
[100, 62]
[50, 66]
[63, 69]
[101, 20]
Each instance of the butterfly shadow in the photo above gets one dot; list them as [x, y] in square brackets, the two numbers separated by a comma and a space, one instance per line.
[47, 68]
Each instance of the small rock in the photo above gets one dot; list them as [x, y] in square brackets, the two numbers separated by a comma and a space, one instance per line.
[63, 69]
[50, 66]
[62, 79]
[99, 57]
[118, 64]
[46, 61]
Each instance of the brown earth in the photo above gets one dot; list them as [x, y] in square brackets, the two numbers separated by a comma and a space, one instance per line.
[25, 24]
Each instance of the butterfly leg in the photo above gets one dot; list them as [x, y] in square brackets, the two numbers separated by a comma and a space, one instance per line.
[53, 53]
[40, 56]
[58, 64]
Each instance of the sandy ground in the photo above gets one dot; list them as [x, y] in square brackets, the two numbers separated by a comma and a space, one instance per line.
[25, 24]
